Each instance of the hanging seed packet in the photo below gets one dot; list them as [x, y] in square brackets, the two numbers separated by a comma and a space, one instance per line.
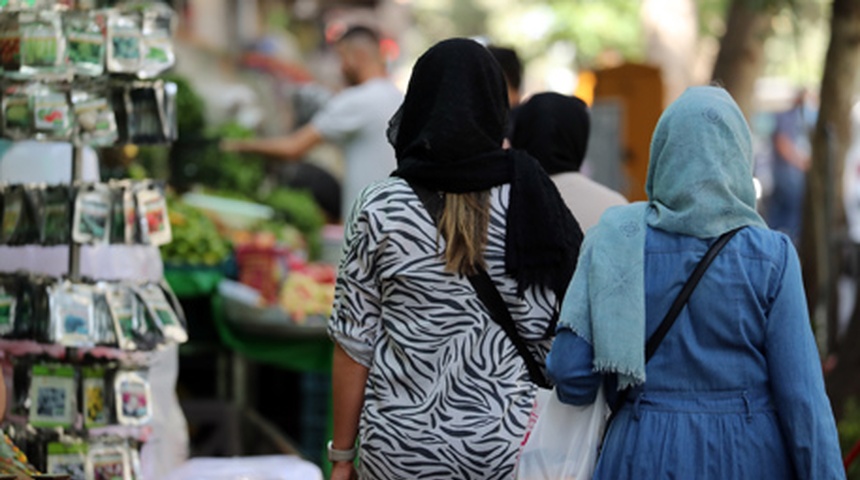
[8, 305]
[67, 459]
[52, 396]
[103, 328]
[86, 44]
[170, 113]
[92, 214]
[95, 118]
[34, 203]
[154, 223]
[133, 398]
[10, 42]
[43, 45]
[124, 46]
[72, 314]
[160, 311]
[53, 115]
[157, 27]
[56, 219]
[123, 306]
[94, 397]
[17, 116]
[146, 125]
[124, 224]
[13, 214]
[108, 462]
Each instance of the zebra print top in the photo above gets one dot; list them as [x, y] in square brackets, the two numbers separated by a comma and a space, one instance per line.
[447, 395]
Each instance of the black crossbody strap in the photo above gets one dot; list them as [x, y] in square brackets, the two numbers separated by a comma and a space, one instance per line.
[488, 294]
[678, 305]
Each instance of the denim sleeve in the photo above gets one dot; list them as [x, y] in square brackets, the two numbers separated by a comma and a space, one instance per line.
[797, 382]
[569, 365]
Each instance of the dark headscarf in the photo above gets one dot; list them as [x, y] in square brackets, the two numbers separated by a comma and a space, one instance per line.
[448, 135]
[554, 129]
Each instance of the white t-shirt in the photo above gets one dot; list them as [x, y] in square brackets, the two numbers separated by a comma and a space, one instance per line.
[357, 119]
[585, 198]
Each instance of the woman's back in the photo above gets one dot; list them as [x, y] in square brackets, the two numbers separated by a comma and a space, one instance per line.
[446, 381]
[735, 389]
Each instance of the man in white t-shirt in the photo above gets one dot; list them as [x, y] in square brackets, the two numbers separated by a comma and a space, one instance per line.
[356, 118]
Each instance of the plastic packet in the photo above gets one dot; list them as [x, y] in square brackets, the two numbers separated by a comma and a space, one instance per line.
[52, 114]
[103, 327]
[133, 398]
[17, 113]
[67, 458]
[147, 122]
[86, 43]
[123, 213]
[124, 45]
[126, 315]
[72, 314]
[92, 214]
[157, 27]
[170, 114]
[17, 223]
[95, 408]
[43, 45]
[160, 311]
[152, 208]
[9, 300]
[56, 219]
[10, 42]
[95, 118]
[108, 461]
[34, 201]
[52, 396]
[34, 313]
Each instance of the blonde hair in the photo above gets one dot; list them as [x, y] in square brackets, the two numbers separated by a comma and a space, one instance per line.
[464, 226]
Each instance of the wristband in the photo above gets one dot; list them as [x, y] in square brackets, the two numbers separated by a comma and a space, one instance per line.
[335, 455]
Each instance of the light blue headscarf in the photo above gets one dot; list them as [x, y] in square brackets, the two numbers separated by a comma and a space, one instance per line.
[699, 184]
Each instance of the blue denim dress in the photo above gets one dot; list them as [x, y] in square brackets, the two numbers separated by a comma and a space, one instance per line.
[735, 390]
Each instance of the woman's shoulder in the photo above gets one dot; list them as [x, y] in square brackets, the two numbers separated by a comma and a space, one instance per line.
[763, 242]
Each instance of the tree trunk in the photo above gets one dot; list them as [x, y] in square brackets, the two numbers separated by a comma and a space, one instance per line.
[741, 58]
[824, 209]
[671, 30]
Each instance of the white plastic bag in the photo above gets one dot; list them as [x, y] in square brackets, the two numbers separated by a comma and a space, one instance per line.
[564, 440]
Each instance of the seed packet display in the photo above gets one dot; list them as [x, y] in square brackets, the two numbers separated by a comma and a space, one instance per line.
[67, 459]
[52, 114]
[94, 397]
[154, 223]
[17, 113]
[95, 118]
[133, 398]
[43, 45]
[72, 314]
[124, 46]
[56, 218]
[52, 396]
[159, 310]
[108, 462]
[92, 214]
[86, 43]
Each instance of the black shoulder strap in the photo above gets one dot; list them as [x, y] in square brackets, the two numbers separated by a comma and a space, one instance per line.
[488, 293]
[678, 305]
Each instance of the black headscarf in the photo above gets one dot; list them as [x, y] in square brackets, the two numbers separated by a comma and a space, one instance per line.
[554, 129]
[448, 135]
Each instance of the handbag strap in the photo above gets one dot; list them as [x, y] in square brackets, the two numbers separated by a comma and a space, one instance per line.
[678, 305]
[487, 293]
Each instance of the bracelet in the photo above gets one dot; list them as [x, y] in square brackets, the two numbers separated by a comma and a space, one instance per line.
[335, 455]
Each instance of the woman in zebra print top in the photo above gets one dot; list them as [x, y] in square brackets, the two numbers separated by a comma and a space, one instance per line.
[423, 377]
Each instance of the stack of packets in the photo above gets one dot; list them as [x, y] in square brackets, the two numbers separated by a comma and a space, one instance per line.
[81, 458]
[117, 212]
[129, 316]
[133, 39]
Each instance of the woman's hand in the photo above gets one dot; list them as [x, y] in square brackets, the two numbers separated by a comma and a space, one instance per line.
[343, 471]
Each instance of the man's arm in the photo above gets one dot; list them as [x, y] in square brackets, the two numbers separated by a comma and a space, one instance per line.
[786, 148]
[290, 147]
